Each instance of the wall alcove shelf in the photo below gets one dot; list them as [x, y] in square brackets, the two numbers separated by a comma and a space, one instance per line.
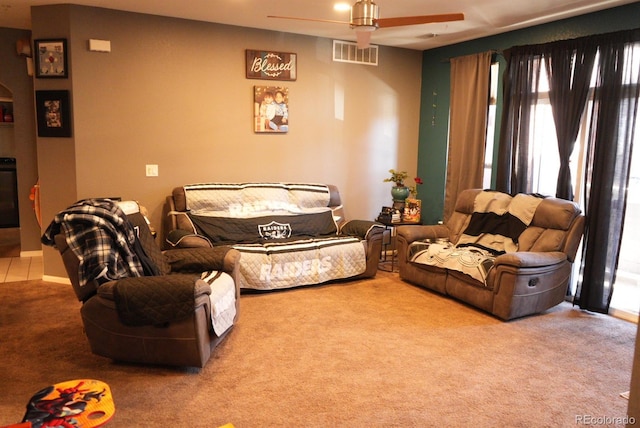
[6, 111]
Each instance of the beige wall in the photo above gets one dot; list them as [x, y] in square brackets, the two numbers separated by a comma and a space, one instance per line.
[173, 93]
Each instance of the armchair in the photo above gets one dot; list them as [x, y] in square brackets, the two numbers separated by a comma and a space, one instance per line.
[140, 304]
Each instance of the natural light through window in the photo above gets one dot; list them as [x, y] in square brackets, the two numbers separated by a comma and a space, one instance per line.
[545, 165]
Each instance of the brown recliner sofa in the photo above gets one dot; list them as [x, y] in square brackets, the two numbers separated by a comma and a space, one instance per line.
[527, 281]
[163, 319]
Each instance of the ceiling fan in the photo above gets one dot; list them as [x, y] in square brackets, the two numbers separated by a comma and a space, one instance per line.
[365, 20]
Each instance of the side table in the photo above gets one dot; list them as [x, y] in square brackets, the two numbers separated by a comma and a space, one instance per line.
[389, 242]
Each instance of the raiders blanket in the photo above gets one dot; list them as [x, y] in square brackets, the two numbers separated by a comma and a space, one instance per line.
[304, 262]
[277, 227]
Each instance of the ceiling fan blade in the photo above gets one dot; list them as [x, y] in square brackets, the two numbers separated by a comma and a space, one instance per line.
[308, 19]
[415, 20]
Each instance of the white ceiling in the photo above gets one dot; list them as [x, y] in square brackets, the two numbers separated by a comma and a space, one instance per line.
[482, 17]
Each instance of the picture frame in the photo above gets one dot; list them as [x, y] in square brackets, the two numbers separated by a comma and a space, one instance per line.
[412, 210]
[271, 109]
[53, 112]
[50, 58]
[270, 65]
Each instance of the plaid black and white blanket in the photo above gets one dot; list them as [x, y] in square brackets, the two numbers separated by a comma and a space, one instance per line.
[100, 235]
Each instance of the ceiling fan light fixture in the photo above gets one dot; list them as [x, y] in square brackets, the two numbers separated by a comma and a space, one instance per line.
[363, 38]
[341, 7]
[364, 13]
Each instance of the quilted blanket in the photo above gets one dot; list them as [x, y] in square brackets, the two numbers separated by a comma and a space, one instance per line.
[142, 302]
[286, 232]
[278, 226]
[313, 261]
[494, 228]
[498, 220]
[254, 199]
[474, 262]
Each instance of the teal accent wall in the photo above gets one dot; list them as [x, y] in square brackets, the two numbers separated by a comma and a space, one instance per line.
[434, 112]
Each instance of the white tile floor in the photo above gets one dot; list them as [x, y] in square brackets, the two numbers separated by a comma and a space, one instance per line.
[14, 269]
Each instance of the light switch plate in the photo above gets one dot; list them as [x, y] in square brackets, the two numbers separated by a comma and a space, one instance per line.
[152, 170]
[99, 45]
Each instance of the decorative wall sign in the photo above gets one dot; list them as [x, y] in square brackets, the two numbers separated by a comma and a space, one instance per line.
[51, 58]
[270, 109]
[271, 65]
[54, 113]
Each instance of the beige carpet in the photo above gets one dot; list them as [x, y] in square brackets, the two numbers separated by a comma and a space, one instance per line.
[372, 353]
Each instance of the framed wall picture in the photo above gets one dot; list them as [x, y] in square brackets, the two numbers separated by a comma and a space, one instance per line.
[54, 113]
[412, 210]
[270, 109]
[268, 65]
[51, 58]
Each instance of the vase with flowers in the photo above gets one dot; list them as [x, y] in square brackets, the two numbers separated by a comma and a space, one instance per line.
[400, 192]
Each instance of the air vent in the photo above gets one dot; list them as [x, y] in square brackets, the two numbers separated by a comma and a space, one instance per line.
[349, 52]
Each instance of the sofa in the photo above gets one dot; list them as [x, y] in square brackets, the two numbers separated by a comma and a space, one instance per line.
[510, 256]
[140, 304]
[288, 234]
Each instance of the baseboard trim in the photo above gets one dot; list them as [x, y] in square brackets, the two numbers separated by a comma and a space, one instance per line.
[36, 253]
[56, 279]
[624, 315]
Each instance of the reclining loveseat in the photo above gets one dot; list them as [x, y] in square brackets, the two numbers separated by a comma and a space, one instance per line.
[509, 256]
[289, 234]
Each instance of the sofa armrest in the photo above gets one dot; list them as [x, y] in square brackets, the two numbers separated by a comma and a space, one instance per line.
[529, 259]
[197, 260]
[415, 233]
[178, 238]
[363, 229]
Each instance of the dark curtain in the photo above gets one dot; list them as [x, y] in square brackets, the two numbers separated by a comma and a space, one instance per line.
[569, 67]
[520, 94]
[611, 134]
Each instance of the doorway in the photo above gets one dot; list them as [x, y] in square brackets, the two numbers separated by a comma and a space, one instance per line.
[9, 212]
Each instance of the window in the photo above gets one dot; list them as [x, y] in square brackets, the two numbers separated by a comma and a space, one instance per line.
[544, 165]
[491, 126]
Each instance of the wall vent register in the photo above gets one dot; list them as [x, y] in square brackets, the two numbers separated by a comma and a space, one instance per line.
[349, 52]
